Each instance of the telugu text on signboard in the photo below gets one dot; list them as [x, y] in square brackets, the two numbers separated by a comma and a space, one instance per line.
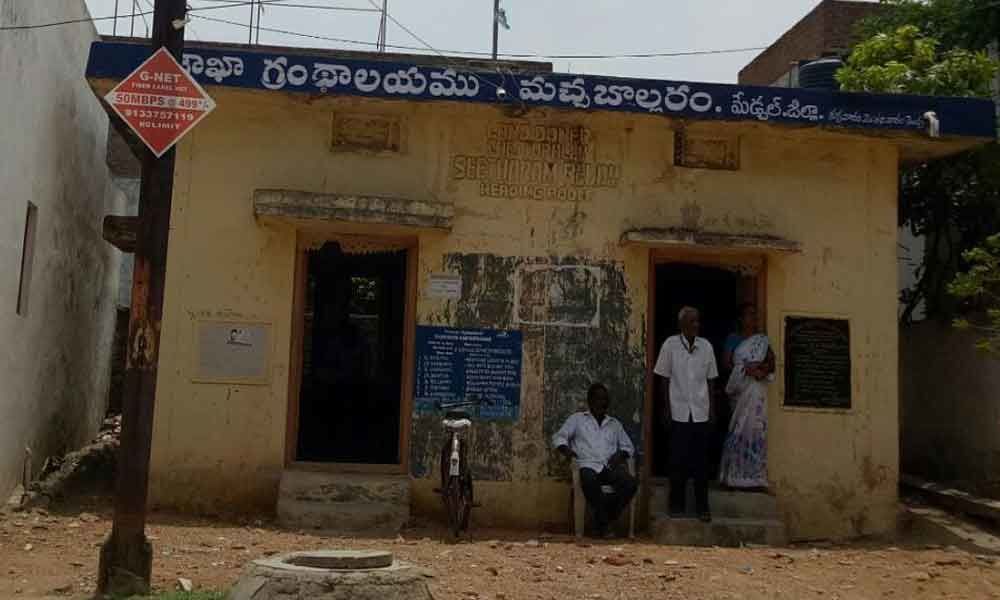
[459, 365]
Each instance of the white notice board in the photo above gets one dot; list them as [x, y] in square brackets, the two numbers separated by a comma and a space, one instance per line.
[233, 352]
[448, 287]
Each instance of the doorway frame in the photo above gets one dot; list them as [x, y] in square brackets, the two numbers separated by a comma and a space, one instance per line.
[411, 246]
[722, 258]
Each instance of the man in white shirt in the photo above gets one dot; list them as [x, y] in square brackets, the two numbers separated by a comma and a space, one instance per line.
[601, 448]
[688, 361]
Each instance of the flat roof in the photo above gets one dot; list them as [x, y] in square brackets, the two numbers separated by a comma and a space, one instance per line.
[525, 84]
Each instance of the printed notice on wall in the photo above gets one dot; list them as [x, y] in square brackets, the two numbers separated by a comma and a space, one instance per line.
[232, 352]
[459, 365]
[445, 287]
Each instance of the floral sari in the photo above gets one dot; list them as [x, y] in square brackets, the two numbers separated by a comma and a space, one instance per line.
[744, 455]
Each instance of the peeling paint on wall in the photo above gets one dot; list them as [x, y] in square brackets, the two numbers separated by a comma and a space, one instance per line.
[574, 314]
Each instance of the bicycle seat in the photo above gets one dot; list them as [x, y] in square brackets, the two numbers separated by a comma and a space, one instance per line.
[456, 424]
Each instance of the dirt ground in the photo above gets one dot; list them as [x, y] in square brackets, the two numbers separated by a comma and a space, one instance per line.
[54, 554]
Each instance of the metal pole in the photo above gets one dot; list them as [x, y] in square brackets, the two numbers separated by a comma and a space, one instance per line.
[383, 25]
[260, 15]
[114, 26]
[131, 30]
[496, 26]
[127, 556]
[250, 41]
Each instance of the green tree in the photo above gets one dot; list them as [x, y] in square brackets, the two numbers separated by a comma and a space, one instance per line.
[979, 286]
[936, 47]
[905, 61]
[968, 24]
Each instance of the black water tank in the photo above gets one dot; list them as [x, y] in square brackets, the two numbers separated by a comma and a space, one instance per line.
[819, 74]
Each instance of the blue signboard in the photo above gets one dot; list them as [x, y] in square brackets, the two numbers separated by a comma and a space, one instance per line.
[293, 71]
[458, 365]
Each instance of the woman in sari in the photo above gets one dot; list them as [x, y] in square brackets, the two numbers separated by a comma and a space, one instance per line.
[744, 455]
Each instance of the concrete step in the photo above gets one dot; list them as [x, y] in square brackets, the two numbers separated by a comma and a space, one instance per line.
[724, 503]
[929, 525]
[722, 531]
[949, 498]
[343, 502]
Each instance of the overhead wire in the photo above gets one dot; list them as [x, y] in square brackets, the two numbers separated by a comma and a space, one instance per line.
[224, 4]
[386, 14]
[143, 13]
[521, 55]
[425, 45]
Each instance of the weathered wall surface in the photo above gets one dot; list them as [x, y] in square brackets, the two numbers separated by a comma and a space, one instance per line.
[551, 266]
[949, 407]
[55, 370]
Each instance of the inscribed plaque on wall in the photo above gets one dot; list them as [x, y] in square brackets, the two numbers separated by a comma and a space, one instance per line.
[707, 152]
[458, 365]
[366, 133]
[817, 362]
[232, 352]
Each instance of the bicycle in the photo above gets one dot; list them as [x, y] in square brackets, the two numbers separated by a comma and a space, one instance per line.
[456, 478]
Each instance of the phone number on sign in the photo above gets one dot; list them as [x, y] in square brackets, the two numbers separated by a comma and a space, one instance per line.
[162, 115]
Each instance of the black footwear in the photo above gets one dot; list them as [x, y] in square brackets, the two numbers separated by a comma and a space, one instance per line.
[705, 517]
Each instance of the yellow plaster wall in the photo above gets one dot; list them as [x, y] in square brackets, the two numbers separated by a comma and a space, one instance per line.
[221, 446]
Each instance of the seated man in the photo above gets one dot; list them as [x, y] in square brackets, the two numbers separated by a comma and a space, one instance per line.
[601, 448]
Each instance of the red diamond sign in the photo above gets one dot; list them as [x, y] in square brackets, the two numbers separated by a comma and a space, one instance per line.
[160, 101]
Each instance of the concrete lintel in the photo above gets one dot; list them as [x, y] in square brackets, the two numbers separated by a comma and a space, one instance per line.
[364, 210]
[681, 238]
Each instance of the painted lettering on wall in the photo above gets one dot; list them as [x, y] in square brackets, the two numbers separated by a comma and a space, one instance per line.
[537, 162]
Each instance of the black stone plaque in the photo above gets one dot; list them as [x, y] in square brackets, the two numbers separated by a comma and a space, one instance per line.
[817, 362]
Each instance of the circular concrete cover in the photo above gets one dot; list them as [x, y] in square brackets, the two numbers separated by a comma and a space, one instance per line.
[341, 559]
[332, 575]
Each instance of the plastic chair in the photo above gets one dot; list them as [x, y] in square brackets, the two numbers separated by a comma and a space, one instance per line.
[580, 502]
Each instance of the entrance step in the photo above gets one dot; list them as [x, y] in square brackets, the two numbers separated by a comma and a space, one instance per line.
[724, 503]
[927, 524]
[722, 531]
[343, 502]
[952, 499]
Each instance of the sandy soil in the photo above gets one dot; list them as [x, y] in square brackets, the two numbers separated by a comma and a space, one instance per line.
[55, 555]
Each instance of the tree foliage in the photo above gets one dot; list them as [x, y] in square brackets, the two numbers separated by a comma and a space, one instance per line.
[905, 61]
[936, 47]
[979, 286]
[967, 24]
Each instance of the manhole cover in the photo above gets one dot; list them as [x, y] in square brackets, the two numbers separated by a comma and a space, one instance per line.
[341, 559]
[332, 575]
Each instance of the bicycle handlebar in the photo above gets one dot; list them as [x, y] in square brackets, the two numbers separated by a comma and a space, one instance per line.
[448, 405]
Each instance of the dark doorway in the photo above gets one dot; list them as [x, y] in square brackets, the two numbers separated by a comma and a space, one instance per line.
[716, 293]
[352, 357]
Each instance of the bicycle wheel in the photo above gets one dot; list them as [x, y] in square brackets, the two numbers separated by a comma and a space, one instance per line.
[465, 503]
[455, 506]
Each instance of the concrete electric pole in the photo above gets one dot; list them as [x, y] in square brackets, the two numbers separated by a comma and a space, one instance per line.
[127, 556]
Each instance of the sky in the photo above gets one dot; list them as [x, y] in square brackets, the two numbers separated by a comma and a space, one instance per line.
[606, 27]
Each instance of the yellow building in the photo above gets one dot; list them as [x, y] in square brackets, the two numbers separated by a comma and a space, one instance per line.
[354, 237]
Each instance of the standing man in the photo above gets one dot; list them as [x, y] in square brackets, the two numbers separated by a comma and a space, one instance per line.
[601, 447]
[688, 361]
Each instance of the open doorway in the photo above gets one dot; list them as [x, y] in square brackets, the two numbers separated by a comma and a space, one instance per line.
[717, 293]
[352, 357]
